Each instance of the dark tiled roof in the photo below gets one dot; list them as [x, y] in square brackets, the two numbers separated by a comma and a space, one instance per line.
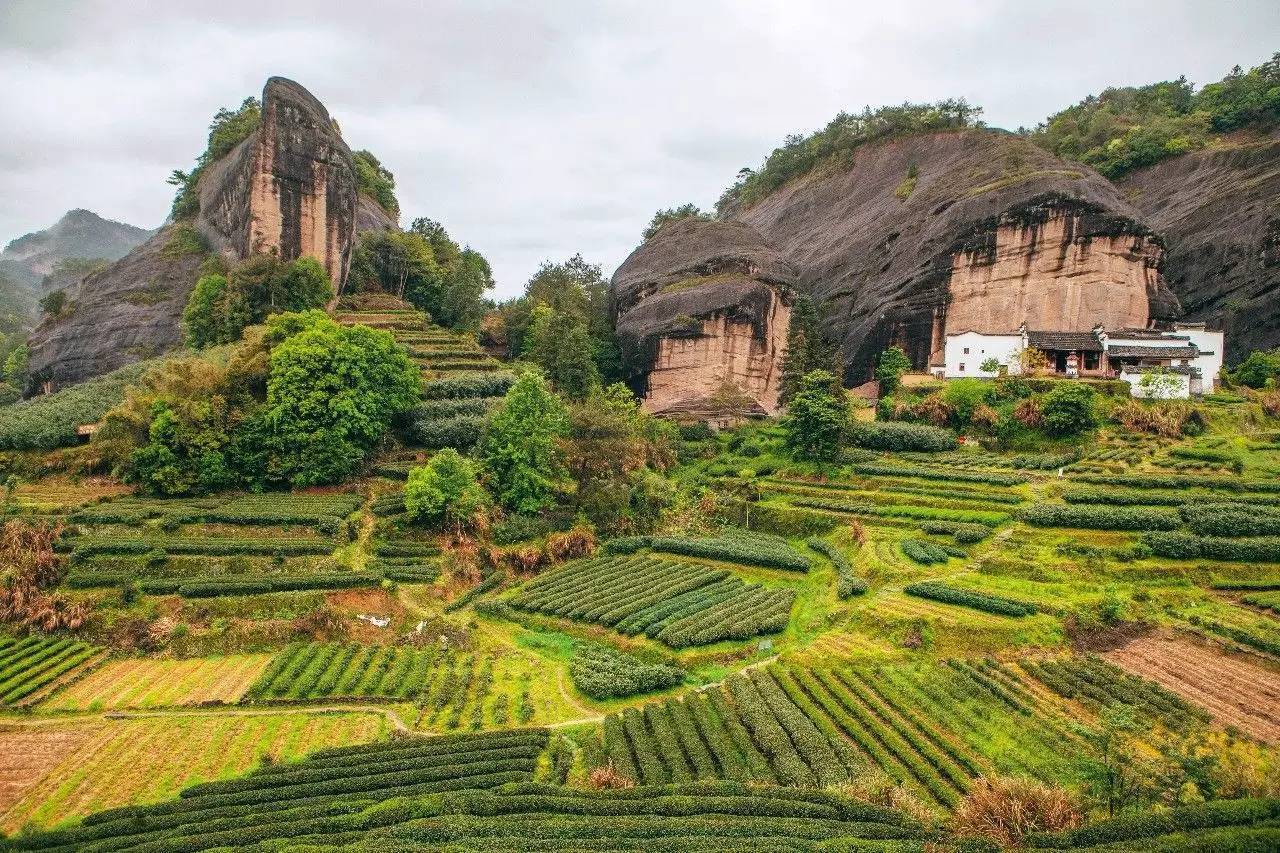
[1134, 351]
[1182, 369]
[1085, 341]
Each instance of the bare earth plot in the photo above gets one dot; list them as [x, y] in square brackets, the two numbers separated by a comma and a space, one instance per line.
[143, 683]
[69, 770]
[27, 755]
[1235, 690]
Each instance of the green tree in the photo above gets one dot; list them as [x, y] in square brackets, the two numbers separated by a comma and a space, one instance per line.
[807, 348]
[817, 418]
[202, 318]
[964, 396]
[844, 134]
[227, 130]
[575, 288]
[674, 214]
[332, 393]
[53, 303]
[16, 366]
[187, 448]
[1128, 127]
[222, 306]
[558, 342]
[520, 449]
[1069, 409]
[613, 453]
[401, 263]
[892, 363]
[446, 491]
[1259, 368]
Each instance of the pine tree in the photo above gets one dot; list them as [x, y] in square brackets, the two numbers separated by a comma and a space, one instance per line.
[807, 348]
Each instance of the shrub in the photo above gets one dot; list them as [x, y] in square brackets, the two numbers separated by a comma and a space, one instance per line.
[468, 385]
[924, 553]
[737, 546]
[460, 431]
[492, 581]
[895, 435]
[1242, 812]
[1098, 517]
[627, 544]
[1231, 520]
[1068, 409]
[450, 407]
[1187, 546]
[847, 582]
[603, 672]
[887, 469]
[938, 591]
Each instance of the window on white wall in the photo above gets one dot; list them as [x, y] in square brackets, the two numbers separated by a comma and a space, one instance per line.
[966, 350]
[962, 367]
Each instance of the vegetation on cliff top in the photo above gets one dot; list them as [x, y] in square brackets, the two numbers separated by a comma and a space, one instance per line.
[843, 135]
[227, 130]
[1129, 127]
[376, 181]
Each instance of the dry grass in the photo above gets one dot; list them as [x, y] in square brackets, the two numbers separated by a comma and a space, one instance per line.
[1006, 810]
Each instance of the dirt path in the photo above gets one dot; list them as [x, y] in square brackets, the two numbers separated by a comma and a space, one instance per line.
[1234, 689]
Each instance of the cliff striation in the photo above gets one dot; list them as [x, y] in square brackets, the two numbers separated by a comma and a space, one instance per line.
[288, 189]
[1219, 212]
[699, 305]
[923, 235]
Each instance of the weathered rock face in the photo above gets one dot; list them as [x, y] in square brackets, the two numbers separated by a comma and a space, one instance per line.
[371, 216]
[127, 312]
[699, 305]
[289, 189]
[1064, 270]
[1218, 212]
[992, 231]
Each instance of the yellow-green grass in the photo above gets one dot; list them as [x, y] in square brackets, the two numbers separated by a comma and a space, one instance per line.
[143, 760]
[151, 683]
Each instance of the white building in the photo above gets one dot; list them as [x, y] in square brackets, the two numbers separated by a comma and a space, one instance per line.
[1188, 358]
[964, 353]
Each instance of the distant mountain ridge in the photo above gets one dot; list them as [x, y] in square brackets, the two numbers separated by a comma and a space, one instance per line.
[35, 263]
[79, 233]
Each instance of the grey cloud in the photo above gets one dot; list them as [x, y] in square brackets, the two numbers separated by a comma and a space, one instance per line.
[534, 130]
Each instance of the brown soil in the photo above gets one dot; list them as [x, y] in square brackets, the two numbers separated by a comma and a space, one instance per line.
[1236, 690]
[26, 755]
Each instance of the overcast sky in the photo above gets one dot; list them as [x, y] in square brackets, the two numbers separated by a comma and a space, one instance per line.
[534, 130]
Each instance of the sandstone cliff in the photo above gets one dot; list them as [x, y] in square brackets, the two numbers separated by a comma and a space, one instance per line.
[699, 305]
[1219, 213]
[288, 189]
[975, 229]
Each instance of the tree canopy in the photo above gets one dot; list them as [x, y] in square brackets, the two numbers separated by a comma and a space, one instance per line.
[520, 453]
[427, 268]
[688, 210]
[1128, 127]
[221, 305]
[376, 181]
[299, 402]
[817, 418]
[844, 134]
